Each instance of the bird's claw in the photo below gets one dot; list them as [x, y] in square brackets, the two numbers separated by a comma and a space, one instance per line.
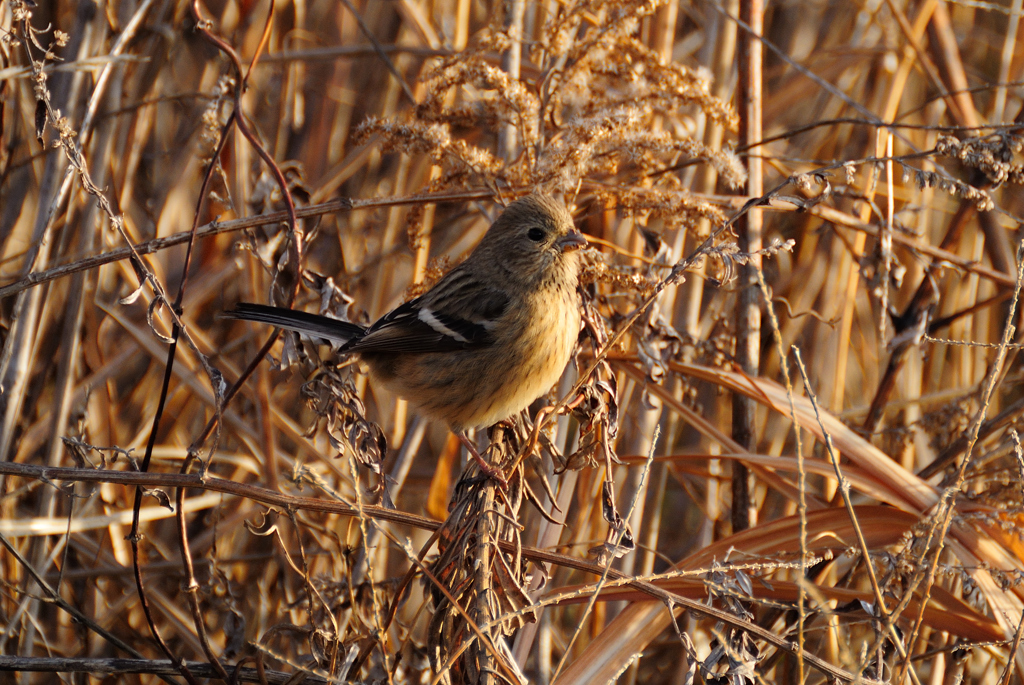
[492, 472]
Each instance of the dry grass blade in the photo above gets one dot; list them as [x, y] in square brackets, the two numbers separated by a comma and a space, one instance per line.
[341, 158]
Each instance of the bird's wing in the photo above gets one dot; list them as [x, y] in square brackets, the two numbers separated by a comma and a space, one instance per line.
[436, 324]
[319, 327]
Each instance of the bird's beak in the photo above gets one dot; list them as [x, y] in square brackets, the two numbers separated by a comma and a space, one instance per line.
[571, 241]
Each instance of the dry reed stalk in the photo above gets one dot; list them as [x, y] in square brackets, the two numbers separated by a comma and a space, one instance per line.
[892, 146]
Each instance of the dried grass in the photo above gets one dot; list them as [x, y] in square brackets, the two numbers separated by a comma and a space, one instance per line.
[263, 542]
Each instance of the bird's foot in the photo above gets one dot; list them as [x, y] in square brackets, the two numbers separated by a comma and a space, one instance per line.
[492, 472]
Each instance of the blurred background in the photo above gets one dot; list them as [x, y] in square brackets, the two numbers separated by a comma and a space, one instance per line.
[888, 167]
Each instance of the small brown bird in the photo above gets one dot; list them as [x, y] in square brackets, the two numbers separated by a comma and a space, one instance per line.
[489, 338]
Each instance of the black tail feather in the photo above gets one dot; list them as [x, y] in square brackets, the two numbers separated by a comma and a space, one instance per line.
[313, 325]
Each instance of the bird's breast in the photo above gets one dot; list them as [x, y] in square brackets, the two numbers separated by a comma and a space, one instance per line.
[479, 387]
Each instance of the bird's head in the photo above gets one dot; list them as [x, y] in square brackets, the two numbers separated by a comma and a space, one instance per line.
[534, 239]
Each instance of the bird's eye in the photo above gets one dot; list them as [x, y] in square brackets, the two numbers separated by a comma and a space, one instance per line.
[535, 234]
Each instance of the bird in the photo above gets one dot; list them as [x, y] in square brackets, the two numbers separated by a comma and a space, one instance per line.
[489, 338]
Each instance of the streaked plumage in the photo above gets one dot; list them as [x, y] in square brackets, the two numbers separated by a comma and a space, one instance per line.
[490, 337]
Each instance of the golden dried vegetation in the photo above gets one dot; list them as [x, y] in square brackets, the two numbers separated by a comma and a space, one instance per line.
[792, 451]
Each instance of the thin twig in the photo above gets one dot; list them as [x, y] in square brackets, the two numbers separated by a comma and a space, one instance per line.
[947, 501]
[608, 567]
[844, 489]
[801, 599]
